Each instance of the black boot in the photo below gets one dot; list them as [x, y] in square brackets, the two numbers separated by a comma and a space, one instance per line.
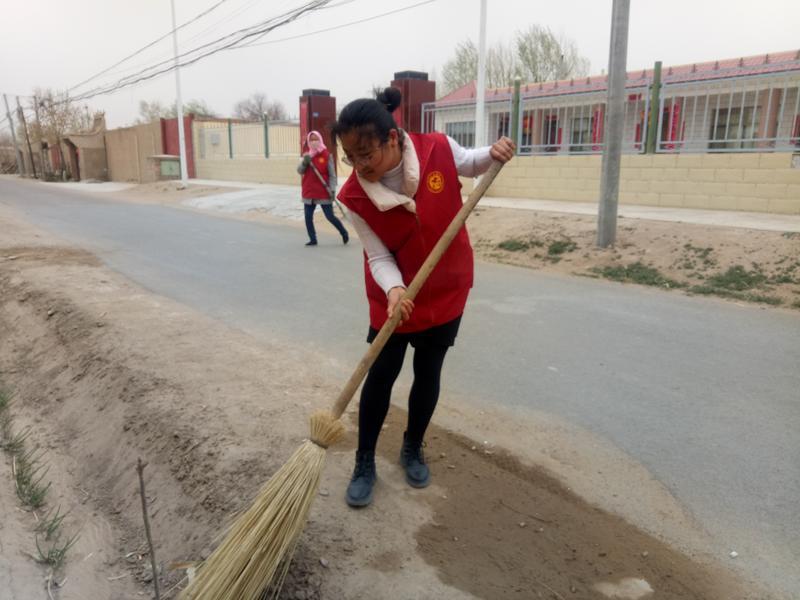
[359, 492]
[417, 473]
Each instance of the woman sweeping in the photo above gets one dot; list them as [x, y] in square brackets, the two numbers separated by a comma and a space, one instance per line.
[402, 194]
[318, 186]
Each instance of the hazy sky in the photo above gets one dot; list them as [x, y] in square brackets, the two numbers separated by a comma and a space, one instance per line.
[58, 43]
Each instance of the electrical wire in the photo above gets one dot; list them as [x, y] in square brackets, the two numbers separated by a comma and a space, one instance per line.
[372, 18]
[150, 45]
[240, 35]
[169, 56]
[260, 29]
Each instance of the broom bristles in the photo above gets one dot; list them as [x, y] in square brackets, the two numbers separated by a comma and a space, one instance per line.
[256, 551]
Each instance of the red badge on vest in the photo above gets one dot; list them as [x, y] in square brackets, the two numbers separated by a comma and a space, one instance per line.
[435, 182]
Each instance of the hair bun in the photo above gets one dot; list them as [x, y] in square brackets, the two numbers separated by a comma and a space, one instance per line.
[390, 97]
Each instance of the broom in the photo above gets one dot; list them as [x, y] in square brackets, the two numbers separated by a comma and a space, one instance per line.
[256, 552]
[328, 189]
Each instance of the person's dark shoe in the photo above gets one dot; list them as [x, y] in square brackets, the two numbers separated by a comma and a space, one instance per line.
[413, 461]
[311, 243]
[359, 492]
[345, 237]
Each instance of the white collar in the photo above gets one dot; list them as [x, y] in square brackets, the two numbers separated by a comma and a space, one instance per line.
[385, 199]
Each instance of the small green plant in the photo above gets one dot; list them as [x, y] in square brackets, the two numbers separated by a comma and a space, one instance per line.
[796, 304]
[50, 523]
[709, 290]
[737, 278]
[29, 475]
[14, 443]
[638, 272]
[514, 245]
[561, 247]
[54, 554]
[701, 253]
[5, 418]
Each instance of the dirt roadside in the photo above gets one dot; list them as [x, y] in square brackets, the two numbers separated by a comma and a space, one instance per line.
[105, 372]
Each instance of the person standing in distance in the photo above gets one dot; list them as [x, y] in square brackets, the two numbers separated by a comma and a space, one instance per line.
[318, 186]
[403, 193]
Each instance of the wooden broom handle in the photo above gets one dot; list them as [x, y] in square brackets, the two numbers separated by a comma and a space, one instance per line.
[419, 280]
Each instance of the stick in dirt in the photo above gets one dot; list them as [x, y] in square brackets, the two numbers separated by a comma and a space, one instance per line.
[140, 469]
[255, 554]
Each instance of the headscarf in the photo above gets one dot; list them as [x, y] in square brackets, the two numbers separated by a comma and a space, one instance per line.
[321, 147]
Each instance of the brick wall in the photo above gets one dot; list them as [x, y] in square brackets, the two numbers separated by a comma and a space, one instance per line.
[279, 169]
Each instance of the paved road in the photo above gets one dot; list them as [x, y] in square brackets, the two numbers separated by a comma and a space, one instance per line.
[704, 393]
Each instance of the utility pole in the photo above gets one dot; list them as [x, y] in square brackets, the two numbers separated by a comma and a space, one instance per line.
[480, 92]
[179, 101]
[40, 145]
[655, 108]
[17, 152]
[615, 112]
[21, 115]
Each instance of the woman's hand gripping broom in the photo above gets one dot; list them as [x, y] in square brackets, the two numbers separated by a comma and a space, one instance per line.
[255, 554]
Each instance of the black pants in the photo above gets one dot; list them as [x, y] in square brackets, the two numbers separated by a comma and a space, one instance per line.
[327, 210]
[430, 348]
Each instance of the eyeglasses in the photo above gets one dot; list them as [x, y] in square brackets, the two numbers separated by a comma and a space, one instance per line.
[364, 159]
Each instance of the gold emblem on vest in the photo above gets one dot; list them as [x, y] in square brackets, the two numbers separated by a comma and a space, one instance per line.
[435, 182]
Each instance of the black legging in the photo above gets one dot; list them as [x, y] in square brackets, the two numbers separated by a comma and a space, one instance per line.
[327, 210]
[377, 390]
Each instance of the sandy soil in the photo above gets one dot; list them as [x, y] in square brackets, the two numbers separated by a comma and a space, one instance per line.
[105, 372]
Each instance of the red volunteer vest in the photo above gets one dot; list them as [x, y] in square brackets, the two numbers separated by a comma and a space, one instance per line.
[311, 185]
[410, 238]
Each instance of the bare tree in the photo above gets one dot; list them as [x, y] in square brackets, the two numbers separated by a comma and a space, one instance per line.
[155, 110]
[535, 55]
[543, 56]
[462, 68]
[256, 106]
[58, 116]
[501, 66]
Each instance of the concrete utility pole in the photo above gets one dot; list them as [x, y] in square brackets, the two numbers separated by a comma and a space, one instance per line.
[179, 101]
[21, 114]
[655, 109]
[17, 152]
[615, 112]
[40, 145]
[480, 92]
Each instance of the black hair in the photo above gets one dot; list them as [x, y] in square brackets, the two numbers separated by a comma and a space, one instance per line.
[371, 118]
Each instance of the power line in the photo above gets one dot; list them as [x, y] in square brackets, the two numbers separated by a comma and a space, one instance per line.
[168, 57]
[150, 45]
[372, 18]
[241, 35]
[260, 29]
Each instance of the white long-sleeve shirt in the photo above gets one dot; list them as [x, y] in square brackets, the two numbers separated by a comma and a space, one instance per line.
[382, 265]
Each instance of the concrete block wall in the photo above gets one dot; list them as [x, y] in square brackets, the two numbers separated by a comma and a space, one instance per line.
[129, 150]
[279, 169]
[760, 182]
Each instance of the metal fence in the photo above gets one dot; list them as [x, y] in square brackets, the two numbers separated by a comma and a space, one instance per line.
[748, 114]
[755, 113]
[226, 139]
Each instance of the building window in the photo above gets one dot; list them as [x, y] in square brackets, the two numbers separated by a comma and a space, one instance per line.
[733, 129]
[581, 134]
[462, 132]
[552, 133]
[503, 125]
